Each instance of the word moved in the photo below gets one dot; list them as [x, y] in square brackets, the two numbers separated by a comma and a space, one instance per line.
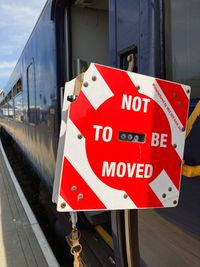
[131, 170]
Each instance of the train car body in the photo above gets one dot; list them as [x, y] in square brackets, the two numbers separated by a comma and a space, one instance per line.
[162, 38]
[31, 111]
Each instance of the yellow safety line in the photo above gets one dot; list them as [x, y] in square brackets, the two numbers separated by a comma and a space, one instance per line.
[192, 171]
[105, 235]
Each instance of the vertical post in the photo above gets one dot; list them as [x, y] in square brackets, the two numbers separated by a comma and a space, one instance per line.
[118, 233]
[131, 237]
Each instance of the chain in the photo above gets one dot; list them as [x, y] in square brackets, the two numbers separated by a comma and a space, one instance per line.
[74, 237]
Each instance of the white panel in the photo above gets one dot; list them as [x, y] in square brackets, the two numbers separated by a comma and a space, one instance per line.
[75, 152]
[163, 185]
[97, 92]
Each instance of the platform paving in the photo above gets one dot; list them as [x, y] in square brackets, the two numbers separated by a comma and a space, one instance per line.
[18, 243]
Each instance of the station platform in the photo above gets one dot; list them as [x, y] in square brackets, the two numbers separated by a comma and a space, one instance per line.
[22, 242]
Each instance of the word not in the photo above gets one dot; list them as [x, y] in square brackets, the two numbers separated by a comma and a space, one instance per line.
[135, 103]
[130, 170]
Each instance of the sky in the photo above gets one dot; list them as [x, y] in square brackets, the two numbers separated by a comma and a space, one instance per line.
[17, 20]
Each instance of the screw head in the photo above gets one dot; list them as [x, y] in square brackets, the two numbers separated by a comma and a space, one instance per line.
[125, 196]
[183, 129]
[175, 145]
[174, 95]
[164, 195]
[80, 196]
[169, 189]
[74, 188]
[175, 202]
[63, 205]
[138, 87]
[179, 103]
[188, 91]
[80, 136]
[94, 78]
[85, 84]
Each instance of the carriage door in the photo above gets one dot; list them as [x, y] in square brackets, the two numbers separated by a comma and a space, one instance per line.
[124, 33]
[32, 116]
[135, 45]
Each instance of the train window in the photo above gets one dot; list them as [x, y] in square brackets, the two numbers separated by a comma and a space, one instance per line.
[1, 109]
[18, 108]
[17, 88]
[89, 32]
[1, 112]
[182, 39]
[31, 94]
[11, 109]
[5, 110]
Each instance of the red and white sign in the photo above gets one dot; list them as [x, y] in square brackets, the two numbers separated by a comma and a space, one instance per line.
[124, 142]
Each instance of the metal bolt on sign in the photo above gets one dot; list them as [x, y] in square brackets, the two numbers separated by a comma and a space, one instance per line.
[80, 196]
[74, 188]
[179, 103]
[63, 205]
[94, 78]
[80, 136]
[85, 84]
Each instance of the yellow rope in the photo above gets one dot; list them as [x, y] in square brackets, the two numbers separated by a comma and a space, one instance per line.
[192, 171]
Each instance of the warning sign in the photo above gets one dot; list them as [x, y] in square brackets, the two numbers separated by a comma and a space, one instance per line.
[124, 142]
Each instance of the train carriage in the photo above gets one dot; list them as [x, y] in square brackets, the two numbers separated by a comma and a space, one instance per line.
[159, 38]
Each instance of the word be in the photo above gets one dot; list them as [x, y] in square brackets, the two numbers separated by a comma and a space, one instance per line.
[159, 140]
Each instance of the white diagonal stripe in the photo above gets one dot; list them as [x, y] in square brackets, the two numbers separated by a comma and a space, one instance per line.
[164, 185]
[75, 152]
[147, 88]
[97, 92]
[185, 89]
